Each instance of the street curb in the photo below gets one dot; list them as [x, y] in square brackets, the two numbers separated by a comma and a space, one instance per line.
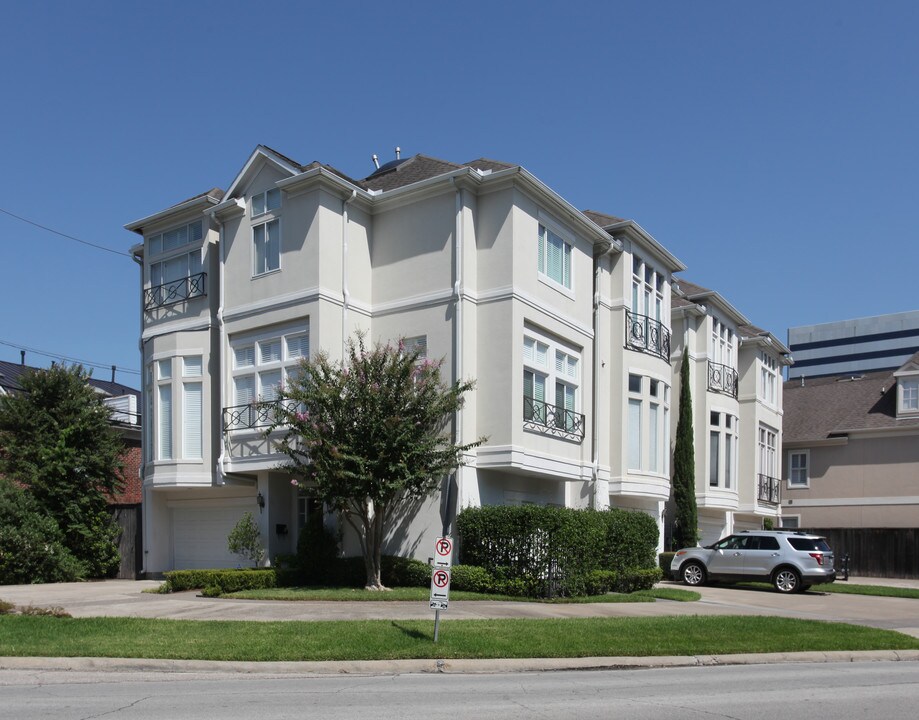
[429, 666]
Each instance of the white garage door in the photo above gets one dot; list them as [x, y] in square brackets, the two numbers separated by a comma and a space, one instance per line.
[199, 537]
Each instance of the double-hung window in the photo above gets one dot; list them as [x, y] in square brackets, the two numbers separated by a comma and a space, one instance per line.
[266, 233]
[192, 407]
[908, 392]
[266, 239]
[164, 409]
[769, 379]
[554, 257]
[798, 461]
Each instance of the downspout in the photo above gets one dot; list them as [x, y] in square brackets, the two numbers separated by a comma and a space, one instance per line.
[218, 387]
[457, 348]
[345, 291]
[595, 380]
[144, 416]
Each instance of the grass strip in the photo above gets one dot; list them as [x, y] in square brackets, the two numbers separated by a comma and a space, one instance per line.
[387, 640]
[844, 588]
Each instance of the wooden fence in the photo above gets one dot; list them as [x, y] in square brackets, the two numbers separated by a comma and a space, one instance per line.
[875, 552]
[130, 540]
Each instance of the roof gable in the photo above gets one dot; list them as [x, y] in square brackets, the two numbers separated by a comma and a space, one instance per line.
[259, 157]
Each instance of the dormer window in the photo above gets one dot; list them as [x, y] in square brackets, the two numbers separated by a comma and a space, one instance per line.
[908, 396]
[266, 201]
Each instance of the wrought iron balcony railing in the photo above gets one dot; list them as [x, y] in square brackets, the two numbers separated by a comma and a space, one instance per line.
[260, 414]
[722, 379]
[552, 420]
[176, 291]
[769, 490]
[647, 335]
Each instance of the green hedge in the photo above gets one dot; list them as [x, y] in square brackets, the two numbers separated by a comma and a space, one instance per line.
[224, 581]
[544, 551]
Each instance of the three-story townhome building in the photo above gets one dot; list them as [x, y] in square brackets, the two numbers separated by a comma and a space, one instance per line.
[562, 317]
[734, 371]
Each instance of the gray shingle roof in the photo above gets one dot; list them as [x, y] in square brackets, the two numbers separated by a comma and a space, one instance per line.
[411, 170]
[602, 219]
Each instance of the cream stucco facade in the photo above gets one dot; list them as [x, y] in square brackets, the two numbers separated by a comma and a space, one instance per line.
[562, 317]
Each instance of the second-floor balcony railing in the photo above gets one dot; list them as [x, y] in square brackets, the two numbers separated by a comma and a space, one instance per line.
[722, 379]
[176, 291]
[252, 416]
[647, 335]
[769, 490]
[552, 420]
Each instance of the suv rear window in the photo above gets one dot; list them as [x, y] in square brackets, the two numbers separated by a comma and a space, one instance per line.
[809, 544]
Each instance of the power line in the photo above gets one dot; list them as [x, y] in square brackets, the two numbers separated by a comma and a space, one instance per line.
[54, 356]
[64, 235]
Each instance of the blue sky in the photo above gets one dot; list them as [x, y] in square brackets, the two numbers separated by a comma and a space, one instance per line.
[771, 146]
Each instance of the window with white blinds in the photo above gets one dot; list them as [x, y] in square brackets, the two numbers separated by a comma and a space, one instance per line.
[553, 257]
[164, 424]
[262, 366]
[191, 420]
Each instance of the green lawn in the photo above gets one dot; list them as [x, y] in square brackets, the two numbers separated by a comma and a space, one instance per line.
[385, 639]
[422, 594]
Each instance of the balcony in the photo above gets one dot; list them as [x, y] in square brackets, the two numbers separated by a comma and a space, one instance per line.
[722, 379]
[552, 420]
[251, 416]
[647, 335]
[768, 490]
[175, 292]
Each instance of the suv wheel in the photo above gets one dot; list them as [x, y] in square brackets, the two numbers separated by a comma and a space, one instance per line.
[786, 580]
[693, 573]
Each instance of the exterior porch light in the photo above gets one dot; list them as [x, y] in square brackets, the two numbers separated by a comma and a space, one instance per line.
[260, 499]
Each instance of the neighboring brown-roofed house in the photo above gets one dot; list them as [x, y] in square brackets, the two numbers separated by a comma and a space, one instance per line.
[851, 448]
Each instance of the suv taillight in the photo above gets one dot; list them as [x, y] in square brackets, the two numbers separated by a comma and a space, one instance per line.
[818, 557]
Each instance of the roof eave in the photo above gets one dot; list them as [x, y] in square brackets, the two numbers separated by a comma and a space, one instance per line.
[674, 263]
[203, 201]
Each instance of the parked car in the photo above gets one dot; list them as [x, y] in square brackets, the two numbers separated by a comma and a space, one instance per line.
[791, 560]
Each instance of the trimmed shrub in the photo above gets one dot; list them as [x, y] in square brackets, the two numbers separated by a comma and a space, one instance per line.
[470, 578]
[226, 581]
[545, 551]
[317, 558]
[664, 560]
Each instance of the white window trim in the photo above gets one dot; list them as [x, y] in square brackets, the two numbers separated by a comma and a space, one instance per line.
[807, 470]
[267, 221]
[285, 364]
[783, 517]
[568, 240]
[552, 376]
[727, 437]
[264, 195]
[662, 400]
[902, 382]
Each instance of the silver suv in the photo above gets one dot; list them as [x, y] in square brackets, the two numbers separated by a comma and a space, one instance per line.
[791, 561]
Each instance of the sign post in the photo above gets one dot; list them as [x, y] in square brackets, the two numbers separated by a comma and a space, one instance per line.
[440, 579]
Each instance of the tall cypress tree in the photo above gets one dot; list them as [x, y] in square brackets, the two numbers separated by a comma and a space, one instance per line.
[685, 532]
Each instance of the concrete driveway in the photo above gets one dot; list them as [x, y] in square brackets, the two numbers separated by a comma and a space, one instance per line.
[125, 598]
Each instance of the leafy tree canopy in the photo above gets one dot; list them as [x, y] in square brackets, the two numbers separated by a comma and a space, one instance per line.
[57, 442]
[370, 434]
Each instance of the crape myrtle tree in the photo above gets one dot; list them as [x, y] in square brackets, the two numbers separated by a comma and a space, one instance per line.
[370, 435]
[57, 442]
[685, 531]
